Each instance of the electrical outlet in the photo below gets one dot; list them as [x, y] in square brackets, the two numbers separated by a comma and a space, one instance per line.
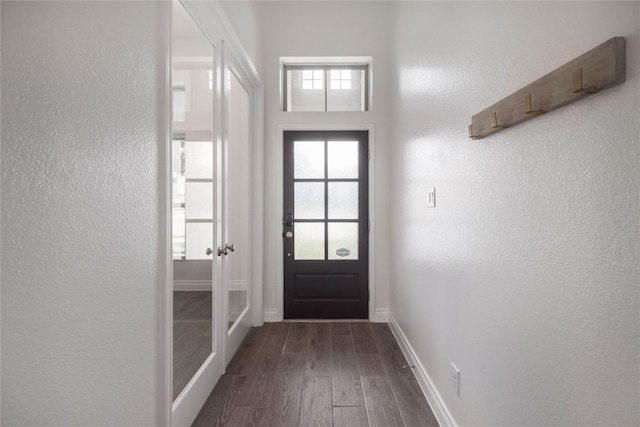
[455, 378]
[431, 197]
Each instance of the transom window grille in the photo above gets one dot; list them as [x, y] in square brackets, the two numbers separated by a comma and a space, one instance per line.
[340, 79]
[325, 87]
[312, 79]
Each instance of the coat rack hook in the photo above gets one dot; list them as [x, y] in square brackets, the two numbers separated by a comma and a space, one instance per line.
[527, 106]
[494, 122]
[577, 83]
[471, 135]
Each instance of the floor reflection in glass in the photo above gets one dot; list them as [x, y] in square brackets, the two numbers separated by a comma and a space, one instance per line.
[192, 312]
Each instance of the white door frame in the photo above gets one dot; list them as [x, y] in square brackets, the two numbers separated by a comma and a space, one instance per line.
[372, 203]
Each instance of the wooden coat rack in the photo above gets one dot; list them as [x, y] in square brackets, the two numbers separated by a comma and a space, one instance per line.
[600, 68]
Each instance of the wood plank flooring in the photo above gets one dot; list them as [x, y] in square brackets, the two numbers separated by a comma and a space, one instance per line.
[317, 374]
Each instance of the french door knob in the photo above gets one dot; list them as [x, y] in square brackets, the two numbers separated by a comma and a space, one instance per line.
[230, 247]
[208, 251]
[222, 251]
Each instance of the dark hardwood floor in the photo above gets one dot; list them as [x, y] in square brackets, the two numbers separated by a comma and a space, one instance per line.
[317, 374]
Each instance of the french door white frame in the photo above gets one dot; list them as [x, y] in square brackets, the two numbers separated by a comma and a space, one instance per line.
[235, 334]
[211, 19]
[188, 403]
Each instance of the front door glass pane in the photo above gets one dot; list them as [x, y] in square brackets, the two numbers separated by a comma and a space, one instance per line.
[343, 240]
[308, 159]
[309, 241]
[343, 159]
[343, 200]
[309, 200]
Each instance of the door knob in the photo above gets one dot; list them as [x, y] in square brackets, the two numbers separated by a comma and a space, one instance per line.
[208, 251]
[230, 247]
[222, 251]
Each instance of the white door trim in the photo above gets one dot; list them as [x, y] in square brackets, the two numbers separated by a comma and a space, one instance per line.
[269, 315]
[165, 313]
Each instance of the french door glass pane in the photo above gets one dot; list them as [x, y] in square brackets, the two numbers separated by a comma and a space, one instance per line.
[309, 200]
[309, 241]
[343, 241]
[198, 159]
[177, 170]
[238, 216]
[192, 159]
[343, 200]
[199, 236]
[308, 159]
[343, 159]
[199, 200]
[178, 233]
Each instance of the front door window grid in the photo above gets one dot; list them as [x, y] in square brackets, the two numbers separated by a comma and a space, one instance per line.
[325, 200]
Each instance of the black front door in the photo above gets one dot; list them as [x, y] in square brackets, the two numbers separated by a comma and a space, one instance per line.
[326, 224]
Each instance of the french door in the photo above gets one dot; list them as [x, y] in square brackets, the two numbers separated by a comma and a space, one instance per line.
[326, 224]
[212, 188]
[197, 361]
[236, 214]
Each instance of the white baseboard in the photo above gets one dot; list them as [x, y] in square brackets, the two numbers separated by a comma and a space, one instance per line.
[381, 315]
[430, 392]
[271, 315]
[192, 285]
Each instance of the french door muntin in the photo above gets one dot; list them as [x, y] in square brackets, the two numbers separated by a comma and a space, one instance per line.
[325, 234]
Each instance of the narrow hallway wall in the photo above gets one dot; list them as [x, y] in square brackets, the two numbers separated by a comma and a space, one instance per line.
[83, 255]
[525, 275]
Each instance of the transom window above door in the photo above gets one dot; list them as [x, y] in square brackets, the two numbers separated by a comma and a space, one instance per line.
[325, 87]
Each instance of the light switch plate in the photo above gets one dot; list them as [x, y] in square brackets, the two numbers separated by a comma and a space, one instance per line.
[431, 197]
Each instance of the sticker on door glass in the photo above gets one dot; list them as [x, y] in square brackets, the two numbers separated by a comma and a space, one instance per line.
[343, 235]
[343, 252]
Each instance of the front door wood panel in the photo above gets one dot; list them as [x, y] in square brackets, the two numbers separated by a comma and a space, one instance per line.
[326, 224]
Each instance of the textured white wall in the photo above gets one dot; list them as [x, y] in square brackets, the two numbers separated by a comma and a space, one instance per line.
[525, 275]
[82, 260]
[247, 22]
[324, 29]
